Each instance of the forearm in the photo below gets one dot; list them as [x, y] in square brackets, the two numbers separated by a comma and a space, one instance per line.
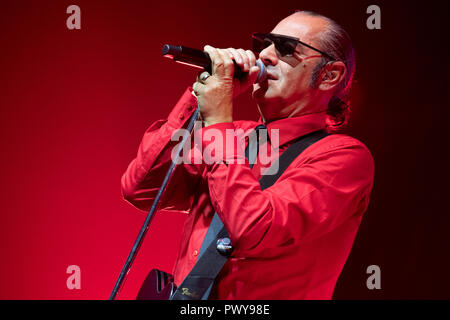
[145, 174]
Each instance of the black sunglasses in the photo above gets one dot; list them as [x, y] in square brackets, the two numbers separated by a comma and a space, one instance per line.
[285, 45]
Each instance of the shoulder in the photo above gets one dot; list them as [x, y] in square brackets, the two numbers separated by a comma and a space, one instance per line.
[336, 142]
[344, 150]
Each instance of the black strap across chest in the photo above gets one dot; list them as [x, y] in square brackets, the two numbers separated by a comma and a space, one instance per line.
[199, 281]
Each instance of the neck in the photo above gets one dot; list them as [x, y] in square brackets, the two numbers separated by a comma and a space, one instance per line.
[271, 112]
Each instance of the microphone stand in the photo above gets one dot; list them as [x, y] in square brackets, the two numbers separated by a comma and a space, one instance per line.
[148, 219]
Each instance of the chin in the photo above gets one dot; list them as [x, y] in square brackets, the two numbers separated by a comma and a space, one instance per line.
[264, 94]
[265, 98]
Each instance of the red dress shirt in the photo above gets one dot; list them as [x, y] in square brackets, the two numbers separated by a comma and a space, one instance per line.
[292, 239]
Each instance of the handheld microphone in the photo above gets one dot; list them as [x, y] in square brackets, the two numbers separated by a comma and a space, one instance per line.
[199, 59]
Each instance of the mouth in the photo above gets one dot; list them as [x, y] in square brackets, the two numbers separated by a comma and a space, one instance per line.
[271, 76]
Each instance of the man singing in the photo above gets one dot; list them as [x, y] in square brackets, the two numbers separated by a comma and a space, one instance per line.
[290, 240]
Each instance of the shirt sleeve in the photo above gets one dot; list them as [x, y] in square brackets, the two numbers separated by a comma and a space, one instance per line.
[306, 202]
[144, 175]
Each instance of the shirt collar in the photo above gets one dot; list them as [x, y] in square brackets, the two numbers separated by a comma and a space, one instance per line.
[295, 127]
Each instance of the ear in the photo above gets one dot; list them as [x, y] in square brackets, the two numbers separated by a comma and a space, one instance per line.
[332, 75]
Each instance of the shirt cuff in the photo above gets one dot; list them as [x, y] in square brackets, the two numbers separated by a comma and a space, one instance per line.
[219, 143]
[183, 110]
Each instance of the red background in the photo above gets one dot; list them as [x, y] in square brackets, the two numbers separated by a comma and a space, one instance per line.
[75, 103]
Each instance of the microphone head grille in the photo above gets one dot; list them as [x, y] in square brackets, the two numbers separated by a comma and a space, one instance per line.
[262, 73]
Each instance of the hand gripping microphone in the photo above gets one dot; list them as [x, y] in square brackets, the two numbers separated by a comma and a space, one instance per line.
[199, 59]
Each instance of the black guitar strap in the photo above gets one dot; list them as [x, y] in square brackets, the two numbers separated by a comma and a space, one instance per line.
[199, 281]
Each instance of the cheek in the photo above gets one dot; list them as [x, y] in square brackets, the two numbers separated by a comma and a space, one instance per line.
[298, 79]
[288, 84]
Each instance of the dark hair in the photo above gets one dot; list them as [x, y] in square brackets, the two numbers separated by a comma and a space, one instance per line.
[336, 42]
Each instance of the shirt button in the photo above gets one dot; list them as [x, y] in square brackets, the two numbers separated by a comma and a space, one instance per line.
[195, 253]
[181, 116]
[190, 108]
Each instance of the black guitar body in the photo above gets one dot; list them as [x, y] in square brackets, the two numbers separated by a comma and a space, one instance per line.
[158, 285]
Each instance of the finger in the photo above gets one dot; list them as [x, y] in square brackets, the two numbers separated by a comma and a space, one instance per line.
[198, 88]
[203, 76]
[238, 58]
[246, 59]
[253, 74]
[228, 64]
[217, 63]
[251, 57]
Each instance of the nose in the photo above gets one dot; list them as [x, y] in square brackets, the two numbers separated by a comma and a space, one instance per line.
[269, 55]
